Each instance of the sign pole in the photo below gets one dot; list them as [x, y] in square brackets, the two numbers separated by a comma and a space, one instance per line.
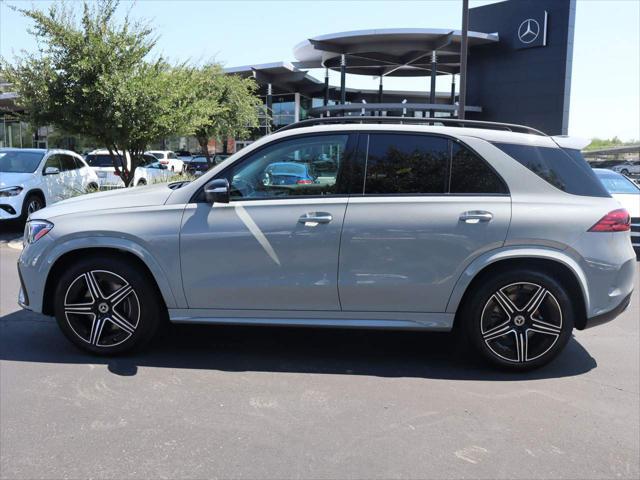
[463, 59]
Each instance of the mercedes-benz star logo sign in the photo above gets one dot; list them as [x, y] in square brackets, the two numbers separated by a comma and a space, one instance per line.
[529, 30]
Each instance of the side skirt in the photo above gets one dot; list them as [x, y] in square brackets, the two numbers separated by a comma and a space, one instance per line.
[439, 322]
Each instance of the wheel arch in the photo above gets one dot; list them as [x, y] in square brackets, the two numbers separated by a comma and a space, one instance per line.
[553, 262]
[146, 264]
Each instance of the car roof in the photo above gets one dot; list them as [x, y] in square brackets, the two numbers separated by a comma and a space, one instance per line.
[32, 150]
[490, 135]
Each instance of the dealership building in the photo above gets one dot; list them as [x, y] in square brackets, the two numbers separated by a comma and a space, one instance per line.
[518, 71]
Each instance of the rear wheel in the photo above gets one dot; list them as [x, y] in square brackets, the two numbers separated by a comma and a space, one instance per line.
[624, 172]
[519, 320]
[107, 306]
[141, 182]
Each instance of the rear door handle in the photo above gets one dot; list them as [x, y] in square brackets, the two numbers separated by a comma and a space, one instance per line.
[315, 217]
[476, 216]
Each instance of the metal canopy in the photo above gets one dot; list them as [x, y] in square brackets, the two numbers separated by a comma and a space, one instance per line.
[403, 52]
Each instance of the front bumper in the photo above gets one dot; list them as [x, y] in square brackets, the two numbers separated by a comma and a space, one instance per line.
[11, 207]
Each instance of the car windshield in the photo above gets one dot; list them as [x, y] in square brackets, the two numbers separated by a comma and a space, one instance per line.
[19, 162]
[617, 183]
[199, 160]
[158, 155]
[100, 160]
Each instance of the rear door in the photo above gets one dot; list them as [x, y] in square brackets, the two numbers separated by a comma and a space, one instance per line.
[53, 184]
[428, 206]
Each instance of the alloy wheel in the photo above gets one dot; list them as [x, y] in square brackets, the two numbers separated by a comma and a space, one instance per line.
[34, 205]
[102, 308]
[521, 322]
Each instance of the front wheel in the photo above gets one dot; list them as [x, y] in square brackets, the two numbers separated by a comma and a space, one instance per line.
[519, 320]
[624, 172]
[106, 305]
[32, 203]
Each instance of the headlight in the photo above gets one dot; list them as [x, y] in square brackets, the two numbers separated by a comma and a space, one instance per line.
[10, 192]
[36, 229]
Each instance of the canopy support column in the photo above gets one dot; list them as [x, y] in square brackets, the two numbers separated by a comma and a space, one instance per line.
[380, 95]
[463, 59]
[326, 86]
[343, 78]
[269, 106]
[434, 72]
[453, 93]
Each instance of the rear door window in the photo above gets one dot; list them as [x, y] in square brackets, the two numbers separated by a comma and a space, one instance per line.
[567, 171]
[67, 163]
[404, 164]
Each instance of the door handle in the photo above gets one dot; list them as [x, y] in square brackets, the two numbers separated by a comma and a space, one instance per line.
[476, 216]
[315, 217]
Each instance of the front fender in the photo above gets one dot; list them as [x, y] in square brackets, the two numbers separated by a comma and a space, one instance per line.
[511, 253]
[36, 265]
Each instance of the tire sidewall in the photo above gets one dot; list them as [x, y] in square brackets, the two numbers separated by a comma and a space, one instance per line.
[472, 313]
[27, 201]
[151, 310]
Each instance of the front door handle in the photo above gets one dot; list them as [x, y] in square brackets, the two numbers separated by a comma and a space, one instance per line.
[476, 216]
[315, 218]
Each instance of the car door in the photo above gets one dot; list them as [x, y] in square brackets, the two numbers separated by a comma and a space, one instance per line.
[70, 177]
[271, 247]
[428, 206]
[52, 184]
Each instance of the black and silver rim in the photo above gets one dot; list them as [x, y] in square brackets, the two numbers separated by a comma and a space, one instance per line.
[102, 308]
[521, 322]
[34, 205]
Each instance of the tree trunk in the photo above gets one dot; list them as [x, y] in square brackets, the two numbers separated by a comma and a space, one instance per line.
[204, 147]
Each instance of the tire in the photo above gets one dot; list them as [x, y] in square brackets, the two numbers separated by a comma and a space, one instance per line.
[624, 172]
[141, 183]
[107, 306]
[32, 203]
[92, 188]
[518, 319]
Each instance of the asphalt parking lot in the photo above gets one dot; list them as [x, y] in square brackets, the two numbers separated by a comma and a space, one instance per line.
[231, 402]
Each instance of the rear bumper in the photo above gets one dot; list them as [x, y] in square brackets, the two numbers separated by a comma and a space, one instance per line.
[608, 316]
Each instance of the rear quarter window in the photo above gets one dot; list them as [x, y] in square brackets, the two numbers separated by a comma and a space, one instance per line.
[565, 170]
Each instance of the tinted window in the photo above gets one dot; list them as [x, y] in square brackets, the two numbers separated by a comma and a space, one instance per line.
[564, 170]
[19, 162]
[67, 163]
[53, 161]
[471, 174]
[171, 155]
[78, 162]
[315, 166]
[406, 164]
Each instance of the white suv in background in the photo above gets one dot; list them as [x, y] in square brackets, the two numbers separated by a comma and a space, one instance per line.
[169, 159]
[150, 171]
[102, 164]
[33, 178]
[631, 167]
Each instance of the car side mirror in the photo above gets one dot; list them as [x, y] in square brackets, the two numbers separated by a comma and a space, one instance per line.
[51, 171]
[217, 191]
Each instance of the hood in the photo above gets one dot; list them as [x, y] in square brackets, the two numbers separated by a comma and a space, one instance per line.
[8, 179]
[114, 199]
[631, 202]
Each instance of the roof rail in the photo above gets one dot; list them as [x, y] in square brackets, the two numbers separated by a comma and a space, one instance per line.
[456, 122]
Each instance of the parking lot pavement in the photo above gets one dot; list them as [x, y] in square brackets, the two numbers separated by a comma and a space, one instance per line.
[207, 402]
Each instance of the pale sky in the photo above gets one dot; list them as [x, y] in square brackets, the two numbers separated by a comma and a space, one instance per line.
[605, 91]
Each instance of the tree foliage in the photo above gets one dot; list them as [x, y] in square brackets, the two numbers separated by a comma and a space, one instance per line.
[93, 75]
[229, 105]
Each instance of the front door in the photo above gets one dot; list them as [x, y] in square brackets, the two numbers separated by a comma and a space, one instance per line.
[275, 245]
[427, 207]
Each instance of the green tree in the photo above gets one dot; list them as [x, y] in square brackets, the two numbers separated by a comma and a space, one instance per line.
[228, 106]
[93, 76]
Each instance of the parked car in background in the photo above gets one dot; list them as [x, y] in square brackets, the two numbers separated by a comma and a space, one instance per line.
[169, 159]
[150, 171]
[31, 179]
[220, 157]
[198, 165]
[102, 164]
[628, 194]
[506, 236]
[628, 168]
[288, 173]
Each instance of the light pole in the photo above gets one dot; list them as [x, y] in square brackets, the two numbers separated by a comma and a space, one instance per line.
[463, 59]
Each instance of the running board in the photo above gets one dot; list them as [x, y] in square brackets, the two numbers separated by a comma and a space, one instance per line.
[440, 322]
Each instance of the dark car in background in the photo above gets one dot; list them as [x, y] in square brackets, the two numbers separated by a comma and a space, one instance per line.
[198, 165]
[288, 173]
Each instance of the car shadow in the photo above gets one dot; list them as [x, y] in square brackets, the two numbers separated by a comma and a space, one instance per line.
[27, 337]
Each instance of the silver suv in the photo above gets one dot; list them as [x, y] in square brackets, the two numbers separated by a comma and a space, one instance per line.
[505, 236]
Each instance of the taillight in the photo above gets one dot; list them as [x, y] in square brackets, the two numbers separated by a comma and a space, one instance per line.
[304, 182]
[614, 221]
[164, 162]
